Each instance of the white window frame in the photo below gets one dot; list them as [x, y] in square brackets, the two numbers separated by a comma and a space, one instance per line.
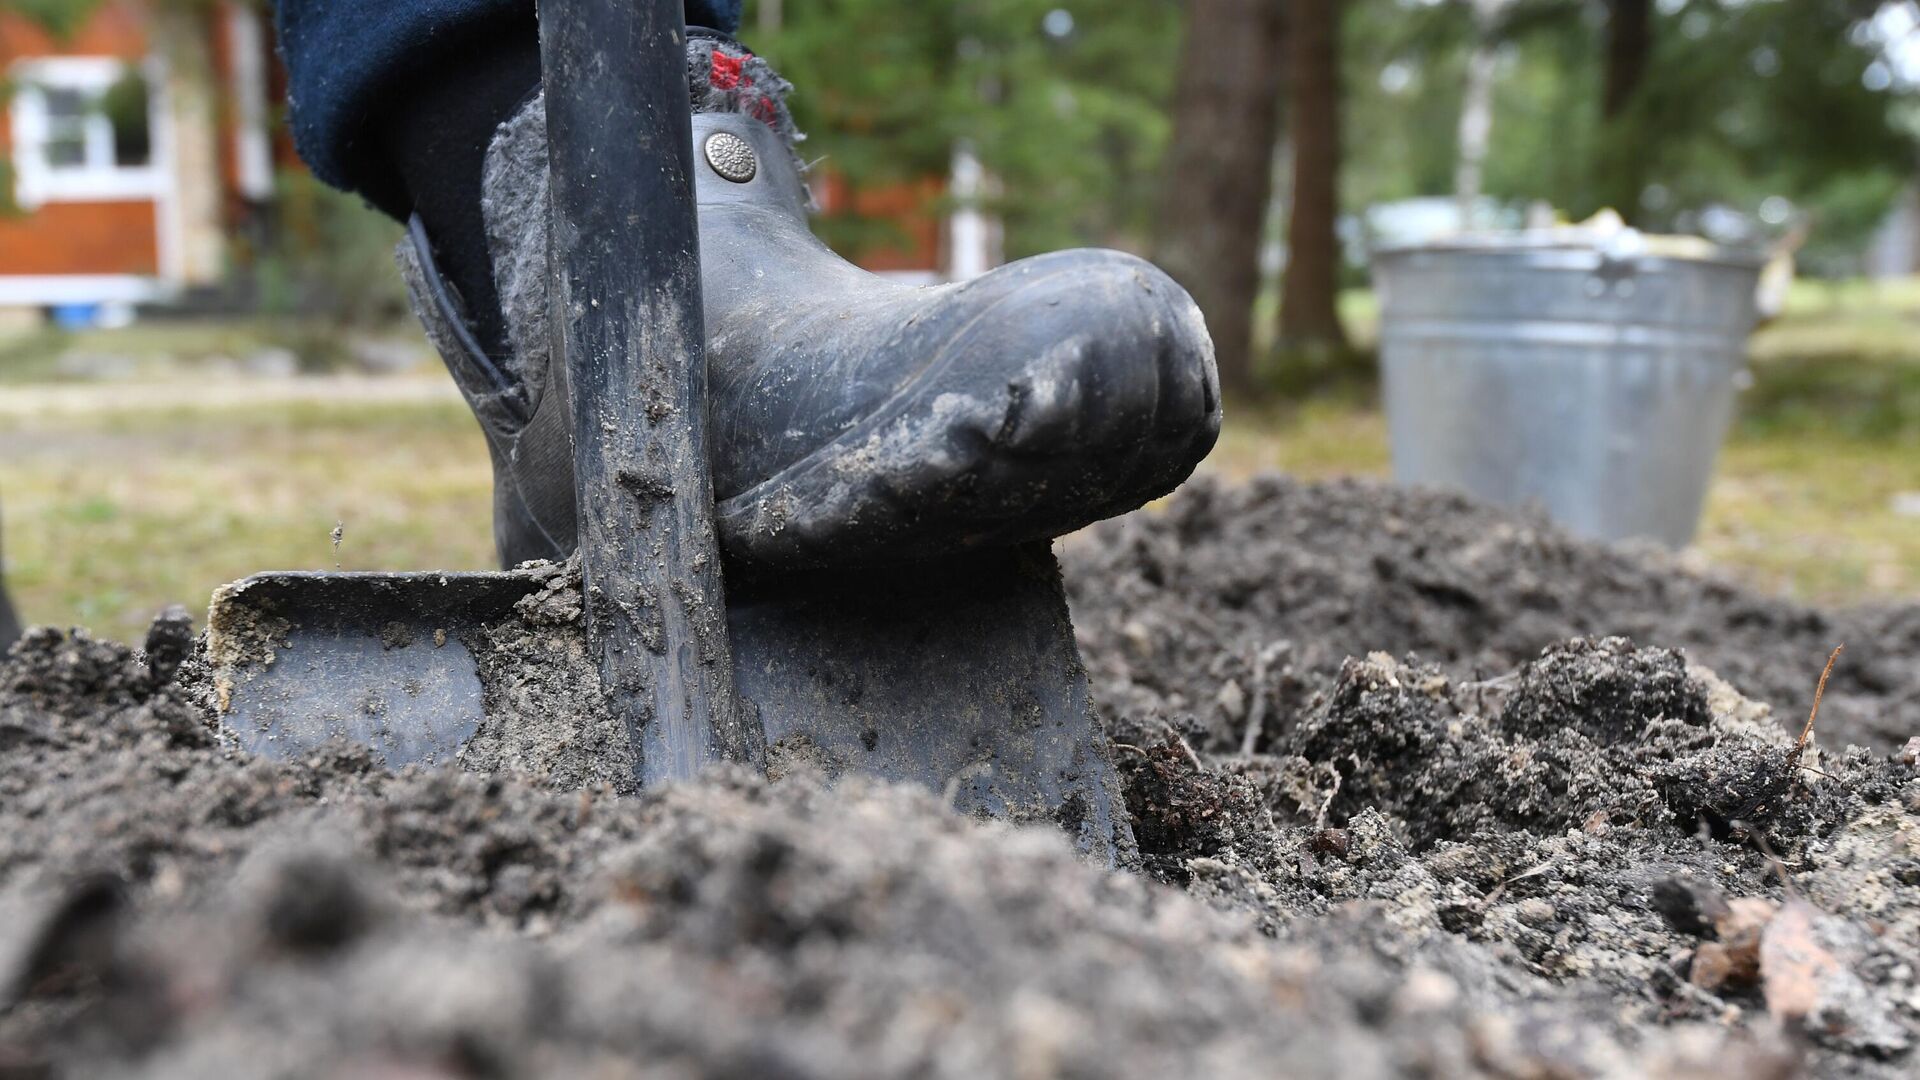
[36, 181]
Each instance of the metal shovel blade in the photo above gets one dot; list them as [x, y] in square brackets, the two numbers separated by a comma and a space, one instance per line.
[384, 660]
[961, 677]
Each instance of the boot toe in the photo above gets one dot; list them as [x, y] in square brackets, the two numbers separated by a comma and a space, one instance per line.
[1120, 389]
[1054, 392]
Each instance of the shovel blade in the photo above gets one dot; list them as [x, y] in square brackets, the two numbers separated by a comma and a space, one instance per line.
[962, 677]
[384, 660]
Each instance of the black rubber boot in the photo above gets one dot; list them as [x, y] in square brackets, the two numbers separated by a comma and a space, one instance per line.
[855, 420]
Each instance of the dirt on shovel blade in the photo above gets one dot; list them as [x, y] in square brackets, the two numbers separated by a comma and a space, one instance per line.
[1420, 789]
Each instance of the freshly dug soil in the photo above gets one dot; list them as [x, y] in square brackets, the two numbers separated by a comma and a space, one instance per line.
[1599, 859]
[545, 712]
[1238, 600]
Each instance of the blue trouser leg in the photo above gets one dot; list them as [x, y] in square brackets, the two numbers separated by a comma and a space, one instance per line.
[345, 56]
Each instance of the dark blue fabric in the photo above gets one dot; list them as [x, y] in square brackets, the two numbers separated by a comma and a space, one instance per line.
[344, 56]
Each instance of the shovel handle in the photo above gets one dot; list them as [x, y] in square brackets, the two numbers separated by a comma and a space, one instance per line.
[628, 309]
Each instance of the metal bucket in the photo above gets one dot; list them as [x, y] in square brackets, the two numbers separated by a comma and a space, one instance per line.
[1593, 377]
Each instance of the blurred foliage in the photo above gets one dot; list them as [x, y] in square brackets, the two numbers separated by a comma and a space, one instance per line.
[328, 253]
[1843, 362]
[64, 18]
[1836, 396]
[1743, 100]
[1064, 101]
[61, 18]
[127, 105]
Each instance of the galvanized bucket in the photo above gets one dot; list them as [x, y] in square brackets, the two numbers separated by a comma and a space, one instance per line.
[1593, 376]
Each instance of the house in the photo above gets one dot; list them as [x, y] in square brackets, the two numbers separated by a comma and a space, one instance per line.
[130, 147]
[135, 146]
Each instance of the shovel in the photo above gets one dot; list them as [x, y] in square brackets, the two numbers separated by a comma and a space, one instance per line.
[962, 676]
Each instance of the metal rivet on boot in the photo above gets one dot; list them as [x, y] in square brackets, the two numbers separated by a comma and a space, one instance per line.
[731, 156]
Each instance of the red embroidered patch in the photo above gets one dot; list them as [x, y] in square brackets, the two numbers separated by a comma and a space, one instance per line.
[726, 70]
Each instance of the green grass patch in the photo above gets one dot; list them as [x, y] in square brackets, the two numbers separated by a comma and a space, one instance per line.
[109, 518]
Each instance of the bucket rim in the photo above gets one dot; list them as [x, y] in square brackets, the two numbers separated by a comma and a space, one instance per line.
[1624, 247]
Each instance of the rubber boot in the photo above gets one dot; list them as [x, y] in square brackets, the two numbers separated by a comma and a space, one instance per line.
[854, 420]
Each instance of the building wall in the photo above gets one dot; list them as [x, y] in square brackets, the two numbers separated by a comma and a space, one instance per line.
[81, 238]
[908, 207]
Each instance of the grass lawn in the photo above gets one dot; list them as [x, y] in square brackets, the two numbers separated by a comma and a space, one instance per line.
[120, 496]
[110, 515]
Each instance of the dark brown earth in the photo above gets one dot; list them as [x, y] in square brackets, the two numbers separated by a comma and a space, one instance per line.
[1176, 610]
[1481, 859]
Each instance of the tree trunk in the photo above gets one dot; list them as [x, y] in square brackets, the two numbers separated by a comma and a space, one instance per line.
[1226, 119]
[1309, 324]
[1629, 47]
[1629, 44]
[1476, 112]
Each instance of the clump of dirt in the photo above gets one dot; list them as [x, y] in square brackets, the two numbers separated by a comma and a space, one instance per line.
[1598, 859]
[1546, 828]
[1590, 732]
[1244, 600]
[545, 715]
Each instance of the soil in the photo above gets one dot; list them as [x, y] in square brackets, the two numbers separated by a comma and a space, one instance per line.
[1179, 610]
[545, 715]
[1404, 807]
